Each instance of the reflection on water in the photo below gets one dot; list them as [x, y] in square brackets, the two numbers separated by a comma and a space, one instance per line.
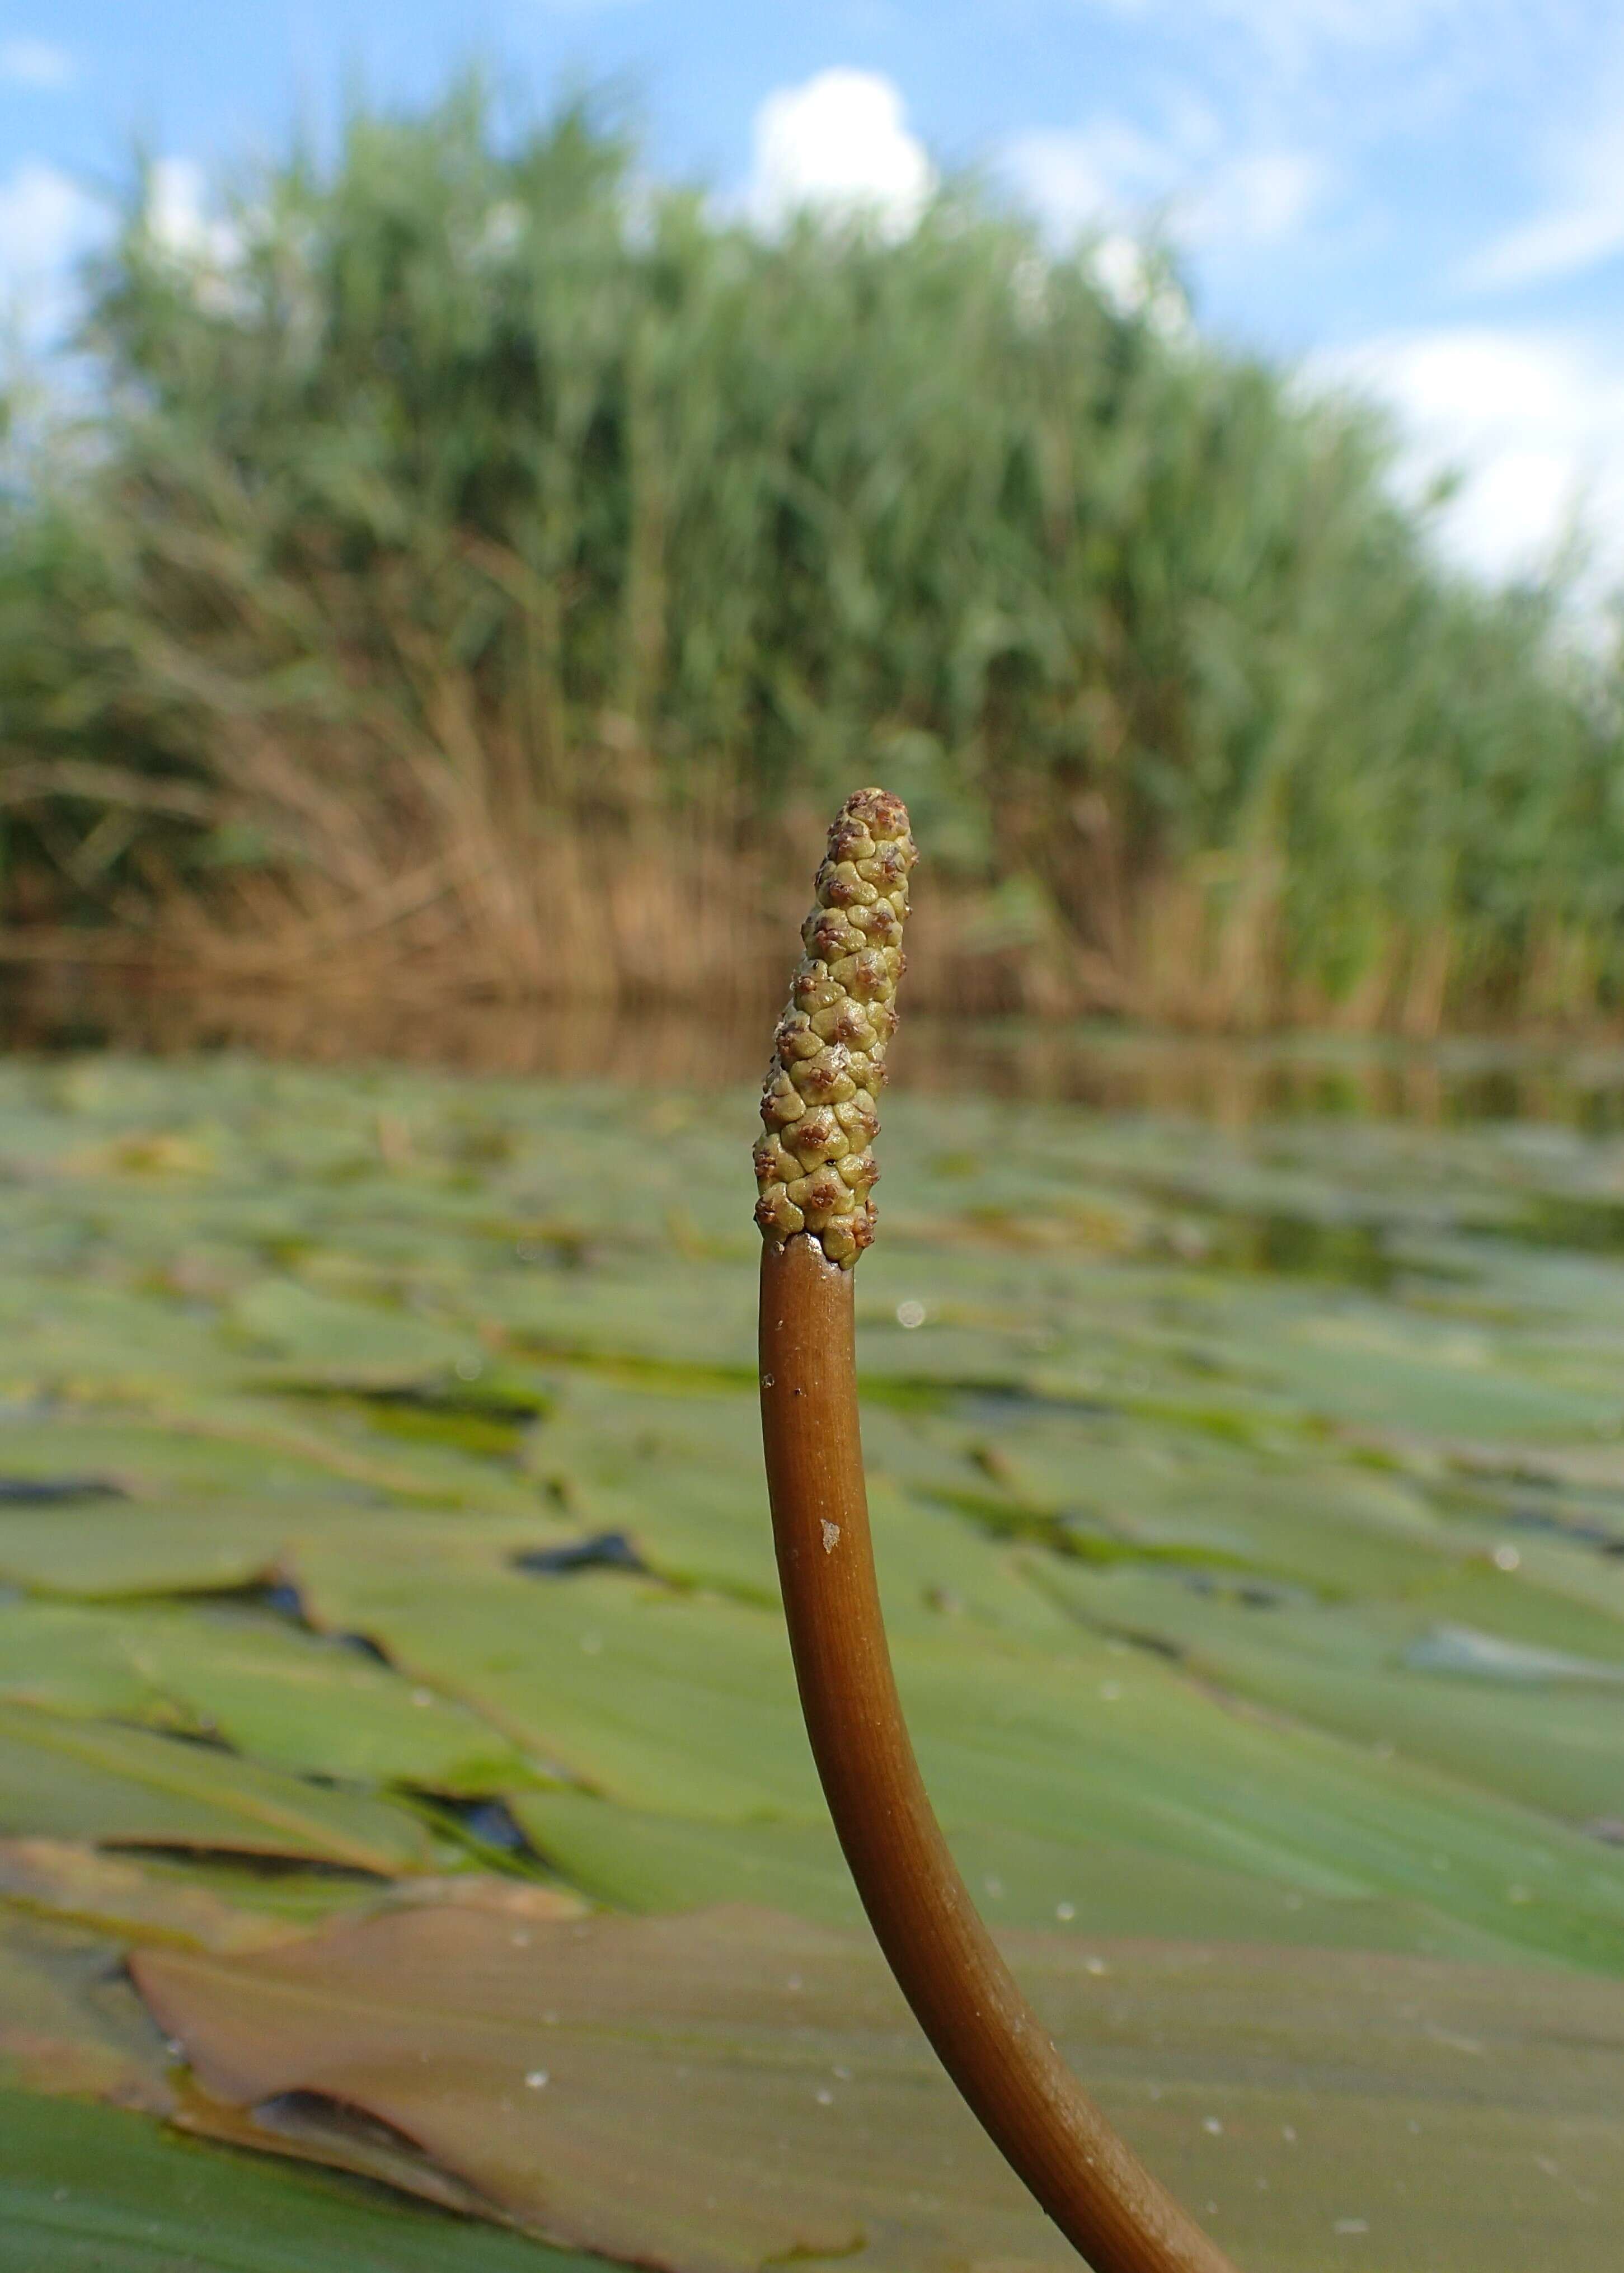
[1233, 1082]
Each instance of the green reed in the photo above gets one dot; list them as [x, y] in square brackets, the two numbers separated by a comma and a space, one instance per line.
[457, 561]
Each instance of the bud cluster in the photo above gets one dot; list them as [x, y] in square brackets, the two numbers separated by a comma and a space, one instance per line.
[813, 1169]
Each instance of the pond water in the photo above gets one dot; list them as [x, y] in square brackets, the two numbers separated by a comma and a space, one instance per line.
[1112, 1068]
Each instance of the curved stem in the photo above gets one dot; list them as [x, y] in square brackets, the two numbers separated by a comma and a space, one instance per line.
[992, 2045]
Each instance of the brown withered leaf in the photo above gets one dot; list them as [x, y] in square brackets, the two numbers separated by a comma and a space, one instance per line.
[61, 1879]
[704, 2092]
[708, 2092]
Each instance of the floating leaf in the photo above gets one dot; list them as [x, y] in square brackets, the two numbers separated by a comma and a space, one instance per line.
[640, 1861]
[139, 1550]
[69, 2020]
[58, 1877]
[285, 1698]
[214, 1906]
[70, 1334]
[671, 1703]
[65, 1779]
[709, 2092]
[681, 1475]
[90, 2190]
[1447, 1648]
[1186, 1445]
[355, 1342]
[1382, 1674]
[657, 1696]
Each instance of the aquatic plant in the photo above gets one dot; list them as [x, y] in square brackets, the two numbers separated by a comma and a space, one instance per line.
[471, 557]
[816, 1213]
[1248, 1498]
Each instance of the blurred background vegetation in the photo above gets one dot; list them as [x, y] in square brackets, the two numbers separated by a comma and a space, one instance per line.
[474, 566]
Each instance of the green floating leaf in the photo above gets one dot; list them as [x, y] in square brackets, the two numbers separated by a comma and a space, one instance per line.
[1477, 1656]
[69, 2020]
[91, 2190]
[711, 2092]
[1119, 1484]
[1389, 1677]
[59, 1333]
[132, 1548]
[284, 1697]
[660, 1699]
[639, 1861]
[357, 1342]
[682, 1475]
[212, 1905]
[66, 1779]
[677, 1704]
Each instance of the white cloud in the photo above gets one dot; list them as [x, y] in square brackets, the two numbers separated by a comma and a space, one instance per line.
[178, 218]
[47, 222]
[1582, 222]
[1558, 243]
[45, 218]
[1302, 26]
[1533, 420]
[1135, 284]
[839, 144]
[1339, 74]
[1097, 176]
[204, 244]
[1356, 23]
[39, 209]
[1110, 175]
[35, 63]
[1258, 197]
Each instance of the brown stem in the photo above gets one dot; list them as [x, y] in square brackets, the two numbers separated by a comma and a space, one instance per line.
[815, 1179]
[989, 2040]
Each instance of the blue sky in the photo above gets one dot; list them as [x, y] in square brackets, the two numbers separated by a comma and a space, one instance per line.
[1422, 197]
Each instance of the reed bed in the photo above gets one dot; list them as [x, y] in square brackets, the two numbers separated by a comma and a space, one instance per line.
[464, 548]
